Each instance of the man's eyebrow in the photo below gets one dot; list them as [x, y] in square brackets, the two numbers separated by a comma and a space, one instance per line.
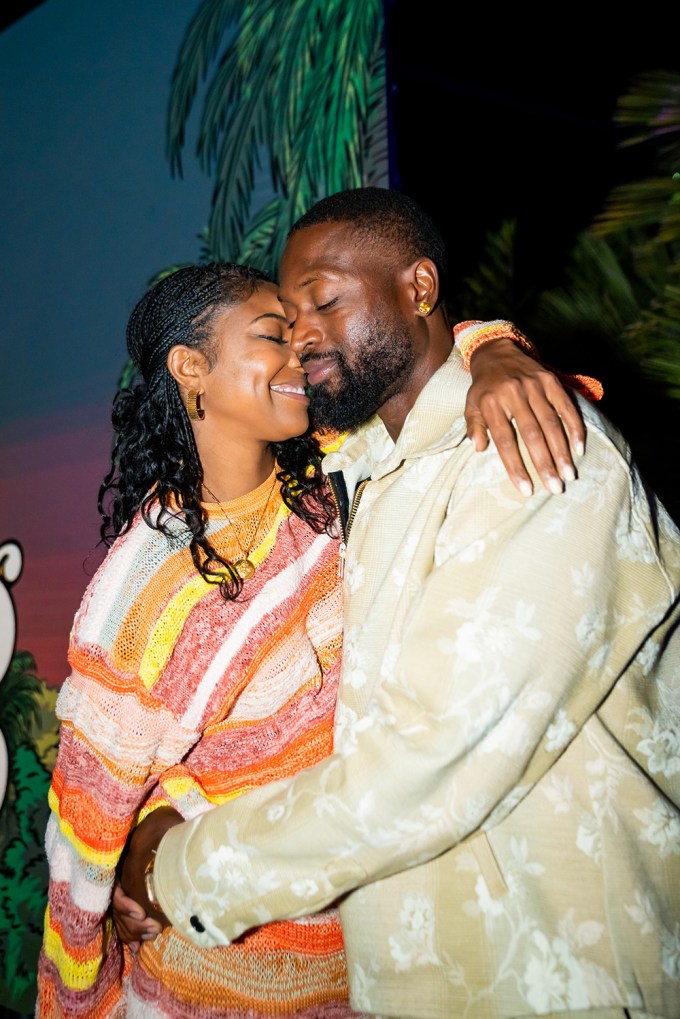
[329, 275]
[300, 285]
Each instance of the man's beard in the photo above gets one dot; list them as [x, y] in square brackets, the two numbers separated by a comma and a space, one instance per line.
[360, 388]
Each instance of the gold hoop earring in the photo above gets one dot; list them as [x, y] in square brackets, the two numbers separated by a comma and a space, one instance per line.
[194, 409]
[424, 308]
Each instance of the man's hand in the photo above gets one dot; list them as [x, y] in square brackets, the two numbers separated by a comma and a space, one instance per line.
[510, 388]
[136, 918]
[132, 923]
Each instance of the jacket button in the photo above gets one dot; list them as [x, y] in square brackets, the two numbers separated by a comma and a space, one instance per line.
[196, 924]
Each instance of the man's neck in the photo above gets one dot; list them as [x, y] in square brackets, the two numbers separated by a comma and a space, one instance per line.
[397, 407]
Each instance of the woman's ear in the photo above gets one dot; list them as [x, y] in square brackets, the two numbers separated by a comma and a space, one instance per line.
[187, 366]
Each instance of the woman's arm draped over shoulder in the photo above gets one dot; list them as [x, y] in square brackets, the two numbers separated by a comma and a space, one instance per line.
[513, 392]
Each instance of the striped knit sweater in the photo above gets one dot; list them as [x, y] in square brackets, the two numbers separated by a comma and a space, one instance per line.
[178, 697]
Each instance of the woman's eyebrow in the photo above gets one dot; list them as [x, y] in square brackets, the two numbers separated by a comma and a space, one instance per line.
[271, 314]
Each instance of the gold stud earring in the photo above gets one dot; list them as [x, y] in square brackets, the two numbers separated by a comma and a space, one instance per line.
[194, 409]
[424, 308]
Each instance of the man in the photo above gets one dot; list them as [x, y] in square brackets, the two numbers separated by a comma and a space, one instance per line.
[500, 821]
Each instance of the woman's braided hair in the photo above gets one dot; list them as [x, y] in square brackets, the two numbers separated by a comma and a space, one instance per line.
[154, 461]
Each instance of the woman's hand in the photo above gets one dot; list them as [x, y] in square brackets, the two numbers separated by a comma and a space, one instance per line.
[510, 389]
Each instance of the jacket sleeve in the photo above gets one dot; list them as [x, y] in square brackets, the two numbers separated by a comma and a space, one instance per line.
[530, 613]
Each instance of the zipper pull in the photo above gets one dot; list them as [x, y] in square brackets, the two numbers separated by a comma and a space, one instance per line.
[342, 552]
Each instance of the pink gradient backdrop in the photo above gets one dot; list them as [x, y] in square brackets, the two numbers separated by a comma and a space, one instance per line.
[49, 505]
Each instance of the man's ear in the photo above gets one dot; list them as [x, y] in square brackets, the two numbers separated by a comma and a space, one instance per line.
[187, 366]
[423, 286]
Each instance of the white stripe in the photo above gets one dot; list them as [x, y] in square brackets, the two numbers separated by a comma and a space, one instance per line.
[125, 572]
[273, 593]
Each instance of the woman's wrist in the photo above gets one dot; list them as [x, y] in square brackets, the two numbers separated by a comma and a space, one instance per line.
[469, 336]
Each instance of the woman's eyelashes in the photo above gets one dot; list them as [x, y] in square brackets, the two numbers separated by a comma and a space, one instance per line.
[281, 340]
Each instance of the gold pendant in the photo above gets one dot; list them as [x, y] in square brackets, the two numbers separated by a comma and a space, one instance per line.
[244, 568]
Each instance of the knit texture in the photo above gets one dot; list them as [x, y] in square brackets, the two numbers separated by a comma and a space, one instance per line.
[178, 697]
[471, 335]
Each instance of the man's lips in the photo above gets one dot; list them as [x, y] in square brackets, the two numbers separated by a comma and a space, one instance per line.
[318, 368]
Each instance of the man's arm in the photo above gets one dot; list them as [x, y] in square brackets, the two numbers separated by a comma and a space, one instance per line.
[462, 724]
[137, 916]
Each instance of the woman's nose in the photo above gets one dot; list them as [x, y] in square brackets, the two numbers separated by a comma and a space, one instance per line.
[294, 358]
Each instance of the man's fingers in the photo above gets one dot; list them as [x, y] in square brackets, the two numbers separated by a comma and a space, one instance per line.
[131, 922]
[131, 932]
[124, 905]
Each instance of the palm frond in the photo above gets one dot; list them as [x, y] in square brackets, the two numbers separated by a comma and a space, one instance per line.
[652, 203]
[19, 711]
[300, 85]
[652, 105]
[205, 33]
[650, 114]
[257, 242]
[599, 296]
[492, 290]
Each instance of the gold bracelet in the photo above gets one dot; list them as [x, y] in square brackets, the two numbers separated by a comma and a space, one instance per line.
[149, 883]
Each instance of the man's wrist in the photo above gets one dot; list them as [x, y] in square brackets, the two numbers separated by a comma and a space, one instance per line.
[149, 885]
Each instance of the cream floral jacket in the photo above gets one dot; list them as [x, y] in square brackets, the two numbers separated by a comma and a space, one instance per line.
[500, 821]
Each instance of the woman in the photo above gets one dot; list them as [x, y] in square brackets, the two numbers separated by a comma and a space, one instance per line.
[205, 653]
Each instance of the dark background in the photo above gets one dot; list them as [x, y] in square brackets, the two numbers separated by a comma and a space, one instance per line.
[494, 117]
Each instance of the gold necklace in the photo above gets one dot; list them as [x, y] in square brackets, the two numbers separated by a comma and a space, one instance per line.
[244, 566]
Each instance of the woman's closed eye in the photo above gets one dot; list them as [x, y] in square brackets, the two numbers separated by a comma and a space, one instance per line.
[281, 340]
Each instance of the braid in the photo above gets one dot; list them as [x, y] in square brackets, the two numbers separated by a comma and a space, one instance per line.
[154, 460]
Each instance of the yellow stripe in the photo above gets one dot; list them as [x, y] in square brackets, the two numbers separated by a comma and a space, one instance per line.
[259, 554]
[165, 633]
[77, 976]
[335, 444]
[168, 627]
[177, 787]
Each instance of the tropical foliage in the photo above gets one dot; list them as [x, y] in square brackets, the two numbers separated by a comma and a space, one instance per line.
[30, 729]
[645, 216]
[296, 109]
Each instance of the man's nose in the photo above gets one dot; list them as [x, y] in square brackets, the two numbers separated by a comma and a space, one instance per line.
[304, 337]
